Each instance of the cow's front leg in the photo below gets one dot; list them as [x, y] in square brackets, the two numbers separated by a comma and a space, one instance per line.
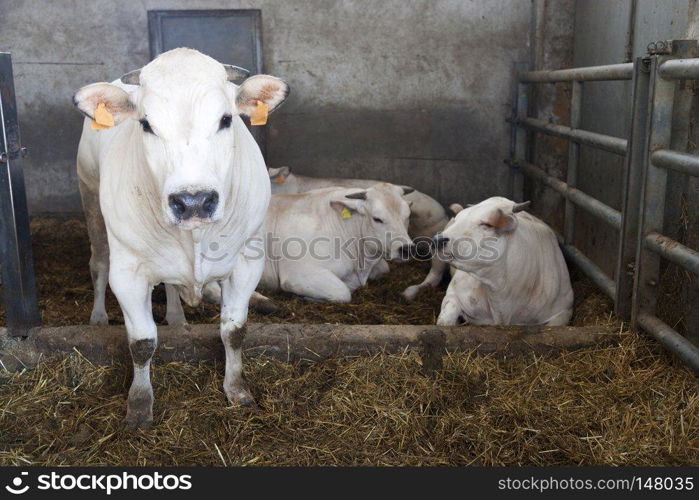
[235, 296]
[451, 309]
[134, 295]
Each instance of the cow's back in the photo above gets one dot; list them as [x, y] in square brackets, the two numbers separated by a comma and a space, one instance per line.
[427, 216]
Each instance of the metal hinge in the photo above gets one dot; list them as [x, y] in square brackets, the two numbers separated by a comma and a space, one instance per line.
[13, 155]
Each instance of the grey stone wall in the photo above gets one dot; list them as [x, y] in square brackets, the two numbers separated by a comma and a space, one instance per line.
[414, 92]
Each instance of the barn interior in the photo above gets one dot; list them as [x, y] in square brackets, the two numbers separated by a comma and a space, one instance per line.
[426, 94]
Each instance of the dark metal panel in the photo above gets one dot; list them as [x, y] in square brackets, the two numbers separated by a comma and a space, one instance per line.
[15, 244]
[231, 36]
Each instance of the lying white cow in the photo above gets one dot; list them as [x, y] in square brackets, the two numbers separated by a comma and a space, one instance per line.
[177, 170]
[326, 243]
[510, 269]
[427, 216]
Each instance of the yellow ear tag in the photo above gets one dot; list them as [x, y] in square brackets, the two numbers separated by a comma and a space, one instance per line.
[280, 179]
[103, 118]
[259, 114]
[345, 214]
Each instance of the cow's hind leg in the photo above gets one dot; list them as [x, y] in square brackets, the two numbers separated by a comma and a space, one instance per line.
[433, 278]
[174, 314]
[314, 283]
[134, 295]
[235, 298]
[99, 249]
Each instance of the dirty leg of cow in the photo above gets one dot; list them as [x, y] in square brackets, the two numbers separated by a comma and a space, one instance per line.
[433, 278]
[235, 297]
[314, 283]
[134, 296]
[174, 314]
[99, 258]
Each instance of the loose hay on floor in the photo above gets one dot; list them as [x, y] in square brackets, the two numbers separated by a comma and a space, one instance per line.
[628, 404]
[625, 404]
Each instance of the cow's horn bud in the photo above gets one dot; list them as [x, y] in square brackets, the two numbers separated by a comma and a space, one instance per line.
[357, 196]
[236, 74]
[132, 78]
[407, 190]
[518, 207]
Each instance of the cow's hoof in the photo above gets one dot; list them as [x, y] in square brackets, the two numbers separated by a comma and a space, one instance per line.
[410, 293]
[134, 423]
[176, 321]
[267, 307]
[99, 318]
[240, 396]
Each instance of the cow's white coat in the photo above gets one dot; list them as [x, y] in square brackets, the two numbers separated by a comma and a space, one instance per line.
[126, 175]
[315, 218]
[427, 216]
[518, 276]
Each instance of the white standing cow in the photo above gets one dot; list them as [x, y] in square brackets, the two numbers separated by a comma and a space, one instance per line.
[326, 243]
[510, 269]
[427, 216]
[177, 170]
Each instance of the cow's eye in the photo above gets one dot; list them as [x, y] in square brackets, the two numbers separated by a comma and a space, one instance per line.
[146, 126]
[487, 225]
[225, 122]
[376, 219]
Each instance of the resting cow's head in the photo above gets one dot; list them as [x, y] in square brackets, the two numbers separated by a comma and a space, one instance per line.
[477, 236]
[186, 107]
[385, 215]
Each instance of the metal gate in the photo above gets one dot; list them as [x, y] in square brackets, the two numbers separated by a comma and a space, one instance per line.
[15, 245]
[634, 287]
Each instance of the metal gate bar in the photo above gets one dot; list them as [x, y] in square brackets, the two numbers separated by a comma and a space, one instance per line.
[621, 289]
[15, 245]
[652, 244]
[648, 157]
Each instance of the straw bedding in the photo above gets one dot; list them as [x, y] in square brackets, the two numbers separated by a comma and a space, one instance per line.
[628, 403]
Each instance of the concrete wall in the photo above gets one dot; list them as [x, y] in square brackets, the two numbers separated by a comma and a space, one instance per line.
[411, 92]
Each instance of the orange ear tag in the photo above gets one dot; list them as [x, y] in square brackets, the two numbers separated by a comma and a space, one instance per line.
[280, 179]
[103, 118]
[345, 214]
[259, 114]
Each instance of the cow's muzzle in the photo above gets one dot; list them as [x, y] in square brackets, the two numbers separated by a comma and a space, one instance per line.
[201, 204]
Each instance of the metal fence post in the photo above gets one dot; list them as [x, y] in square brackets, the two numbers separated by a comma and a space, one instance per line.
[15, 245]
[573, 160]
[661, 96]
[518, 139]
[632, 188]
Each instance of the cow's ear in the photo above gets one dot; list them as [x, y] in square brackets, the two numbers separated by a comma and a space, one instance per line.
[455, 208]
[267, 89]
[279, 175]
[501, 221]
[116, 101]
[346, 208]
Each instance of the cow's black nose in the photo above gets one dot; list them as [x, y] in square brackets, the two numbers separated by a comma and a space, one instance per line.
[440, 240]
[201, 204]
[406, 251]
